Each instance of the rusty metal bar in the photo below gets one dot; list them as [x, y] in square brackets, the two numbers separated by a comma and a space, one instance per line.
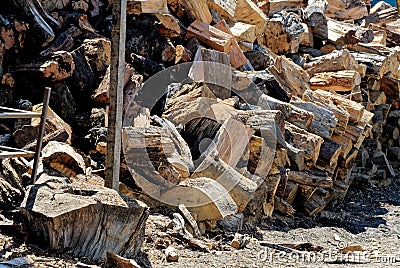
[42, 126]
[118, 39]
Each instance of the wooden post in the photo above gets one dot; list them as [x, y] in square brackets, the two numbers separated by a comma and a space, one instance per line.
[118, 38]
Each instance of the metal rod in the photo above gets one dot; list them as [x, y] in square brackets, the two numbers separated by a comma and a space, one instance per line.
[118, 39]
[42, 126]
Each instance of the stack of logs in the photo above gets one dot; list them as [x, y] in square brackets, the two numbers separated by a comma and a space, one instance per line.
[311, 103]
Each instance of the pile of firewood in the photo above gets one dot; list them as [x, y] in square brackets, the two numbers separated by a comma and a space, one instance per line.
[311, 103]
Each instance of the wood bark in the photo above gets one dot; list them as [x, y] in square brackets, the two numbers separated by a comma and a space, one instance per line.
[65, 210]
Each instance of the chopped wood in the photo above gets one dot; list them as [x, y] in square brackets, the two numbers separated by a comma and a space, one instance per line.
[342, 33]
[211, 36]
[65, 209]
[240, 241]
[314, 13]
[314, 179]
[244, 32]
[190, 220]
[147, 7]
[248, 12]
[337, 60]
[226, 8]
[283, 207]
[198, 10]
[317, 201]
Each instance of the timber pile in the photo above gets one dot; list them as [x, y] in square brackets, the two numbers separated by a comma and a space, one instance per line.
[312, 101]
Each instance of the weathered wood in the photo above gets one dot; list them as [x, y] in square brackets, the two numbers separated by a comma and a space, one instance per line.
[296, 157]
[291, 113]
[65, 210]
[341, 114]
[146, 6]
[382, 17]
[203, 196]
[317, 201]
[342, 33]
[291, 76]
[313, 179]
[271, 182]
[226, 8]
[211, 36]
[324, 121]
[341, 81]
[291, 192]
[355, 109]
[346, 10]
[248, 12]
[244, 32]
[283, 207]
[391, 87]
[376, 64]
[303, 140]
[283, 32]
[237, 57]
[314, 13]
[329, 153]
[335, 61]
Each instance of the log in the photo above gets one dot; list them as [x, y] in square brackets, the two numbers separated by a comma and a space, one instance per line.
[65, 210]
[382, 17]
[240, 188]
[65, 42]
[291, 113]
[340, 113]
[283, 33]
[342, 33]
[147, 7]
[240, 241]
[324, 121]
[291, 192]
[317, 201]
[296, 157]
[60, 135]
[340, 81]
[272, 183]
[40, 22]
[59, 67]
[376, 64]
[283, 207]
[391, 87]
[355, 109]
[314, 13]
[303, 140]
[237, 57]
[279, 5]
[329, 153]
[313, 179]
[203, 196]
[63, 158]
[259, 160]
[346, 10]
[211, 36]
[226, 8]
[337, 60]
[190, 220]
[290, 76]
[248, 12]
[171, 26]
[244, 32]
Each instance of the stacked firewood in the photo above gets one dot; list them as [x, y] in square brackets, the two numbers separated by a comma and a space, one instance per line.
[312, 100]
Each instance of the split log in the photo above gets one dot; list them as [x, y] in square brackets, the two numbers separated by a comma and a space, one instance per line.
[240, 188]
[147, 7]
[317, 201]
[376, 64]
[64, 42]
[313, 179]
[291, 76]
[341, 114]
[271, 182]
[341, 81]
[381, 161]
[283, 207]
[279, 5]
[314, 13]
[355, 109]
[335, 61]
[65, 210]
[283, 32]
[382, 17]
[391, 87]
[203, 196]
[117, 261]
[198, 10]
[291, 113]
[98, 54]
[237, 57]
[346, 143]
[171, 26]
[248, 12]
[30, 132]
[329, 153]
[291, 192]
[40, 22]
[346, 10]
[296, 157]
[155, 146]
[226, 8]
[381, 5]
[244, 32]
[342, 33]
[324, 121]
[259, 160]
[210, 35]
[63, 158]
[59, 67]
[60, 135]
[303, 140]
[190, 220]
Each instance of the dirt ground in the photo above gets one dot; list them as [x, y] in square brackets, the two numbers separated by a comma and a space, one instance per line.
[364, 232]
